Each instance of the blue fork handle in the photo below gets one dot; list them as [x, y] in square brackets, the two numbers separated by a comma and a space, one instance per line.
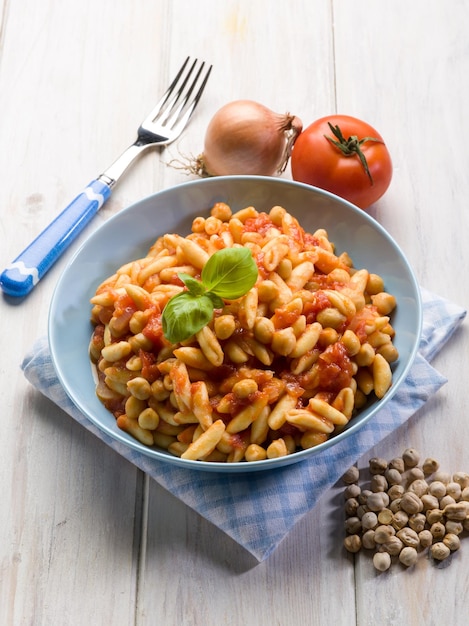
[21, 276]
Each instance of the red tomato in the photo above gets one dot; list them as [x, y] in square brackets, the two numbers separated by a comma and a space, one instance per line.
[317, 161]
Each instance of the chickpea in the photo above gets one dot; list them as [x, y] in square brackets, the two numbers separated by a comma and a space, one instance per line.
[353, 525]
[369, 520]
[434, 515]
[418, 486]
[429, 466]
[351, 506]
[397, 464]
[452, 541]
[465, 494]
[396, 491]
[368, 539]
[385, 516]
[443, 477]
[437, 489]
[457, 511]
[440, 551]
[383, 533]
[411, 457]
[351, 475]
[408, 556]
[395, 505]
[393, 476]
[411, 503]
[446, 500]
[453, 527]
[454, 490]
[378, 483]
[377, 465]
[382, 561]
[352, 491]
[438, 530]
[363, 497]
[408, 537]
[417, 522]
[429, 502]
[392, 546]
[425, 538]
[353, 543]
[414, 473]
[375, 501]
[400, 520]
[462, 479]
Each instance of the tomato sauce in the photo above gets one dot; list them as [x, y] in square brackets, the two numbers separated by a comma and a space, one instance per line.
[335, 368]
[260, 224]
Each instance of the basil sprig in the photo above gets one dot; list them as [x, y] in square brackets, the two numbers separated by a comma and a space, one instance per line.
[228, 274]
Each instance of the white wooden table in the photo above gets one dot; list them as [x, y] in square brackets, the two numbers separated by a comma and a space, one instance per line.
[85, 538]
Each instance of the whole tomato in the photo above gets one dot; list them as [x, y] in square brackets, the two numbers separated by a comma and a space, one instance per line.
[345, 156]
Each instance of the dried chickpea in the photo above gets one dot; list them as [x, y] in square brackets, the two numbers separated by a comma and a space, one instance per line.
[392, 546]
[385, 516]
[446, 501]
[440, 551]
[383, 533]
[429, 466]
[411, 503]
[453, 527]
[462, 479]
[438, 530]
[454, 490]
[351, 475]
[408, 537]
[437, 489]
[375, 501]
[368, 539]
[353, 525]
[352, 491]
[382, 561]
[465, 494]
[417, 522]
[458, 511]
[434, 515]
[411, 457]
[369, 520]
[353, 543]
[425, 538]
[393, 476]
[400, 520]
[414, 473]
[408, 556]
[452, 541]
[396, 491]
[418, 486]
[377, 465]
[351, 507]
[378, 483]
[443, 477]
[429, 502]
[397, 464]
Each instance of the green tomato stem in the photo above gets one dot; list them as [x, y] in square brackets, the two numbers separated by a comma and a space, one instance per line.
[351, 146]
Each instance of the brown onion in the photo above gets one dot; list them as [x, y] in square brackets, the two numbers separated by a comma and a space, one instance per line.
[245, 137]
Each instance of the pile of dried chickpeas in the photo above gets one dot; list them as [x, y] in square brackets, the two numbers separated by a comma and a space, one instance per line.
[406, 509]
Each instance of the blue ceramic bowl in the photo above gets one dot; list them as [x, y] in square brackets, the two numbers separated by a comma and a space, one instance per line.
[129, 234]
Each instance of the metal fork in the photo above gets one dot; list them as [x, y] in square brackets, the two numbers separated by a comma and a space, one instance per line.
[162, 126]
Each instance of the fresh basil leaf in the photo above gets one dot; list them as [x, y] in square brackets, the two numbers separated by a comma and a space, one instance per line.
[184, 315]
[216, 300]
[195, 286]
[230, 273]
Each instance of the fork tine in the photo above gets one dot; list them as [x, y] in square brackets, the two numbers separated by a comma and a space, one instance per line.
[159, 107]
[170, 106]
[191, 107]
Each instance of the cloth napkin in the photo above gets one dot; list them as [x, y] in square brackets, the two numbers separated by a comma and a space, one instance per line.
[258, 509]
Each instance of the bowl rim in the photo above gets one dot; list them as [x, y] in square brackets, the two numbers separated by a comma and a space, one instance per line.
[241, 467]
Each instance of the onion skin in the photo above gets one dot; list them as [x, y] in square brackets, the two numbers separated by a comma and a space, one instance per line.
[245, 137]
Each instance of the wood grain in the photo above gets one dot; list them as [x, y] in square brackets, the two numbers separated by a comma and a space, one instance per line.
[85, 538]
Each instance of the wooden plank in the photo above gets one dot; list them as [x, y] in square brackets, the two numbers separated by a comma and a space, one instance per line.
[405, 73]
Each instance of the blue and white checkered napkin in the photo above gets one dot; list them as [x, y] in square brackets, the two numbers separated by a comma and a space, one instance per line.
[258, 509]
